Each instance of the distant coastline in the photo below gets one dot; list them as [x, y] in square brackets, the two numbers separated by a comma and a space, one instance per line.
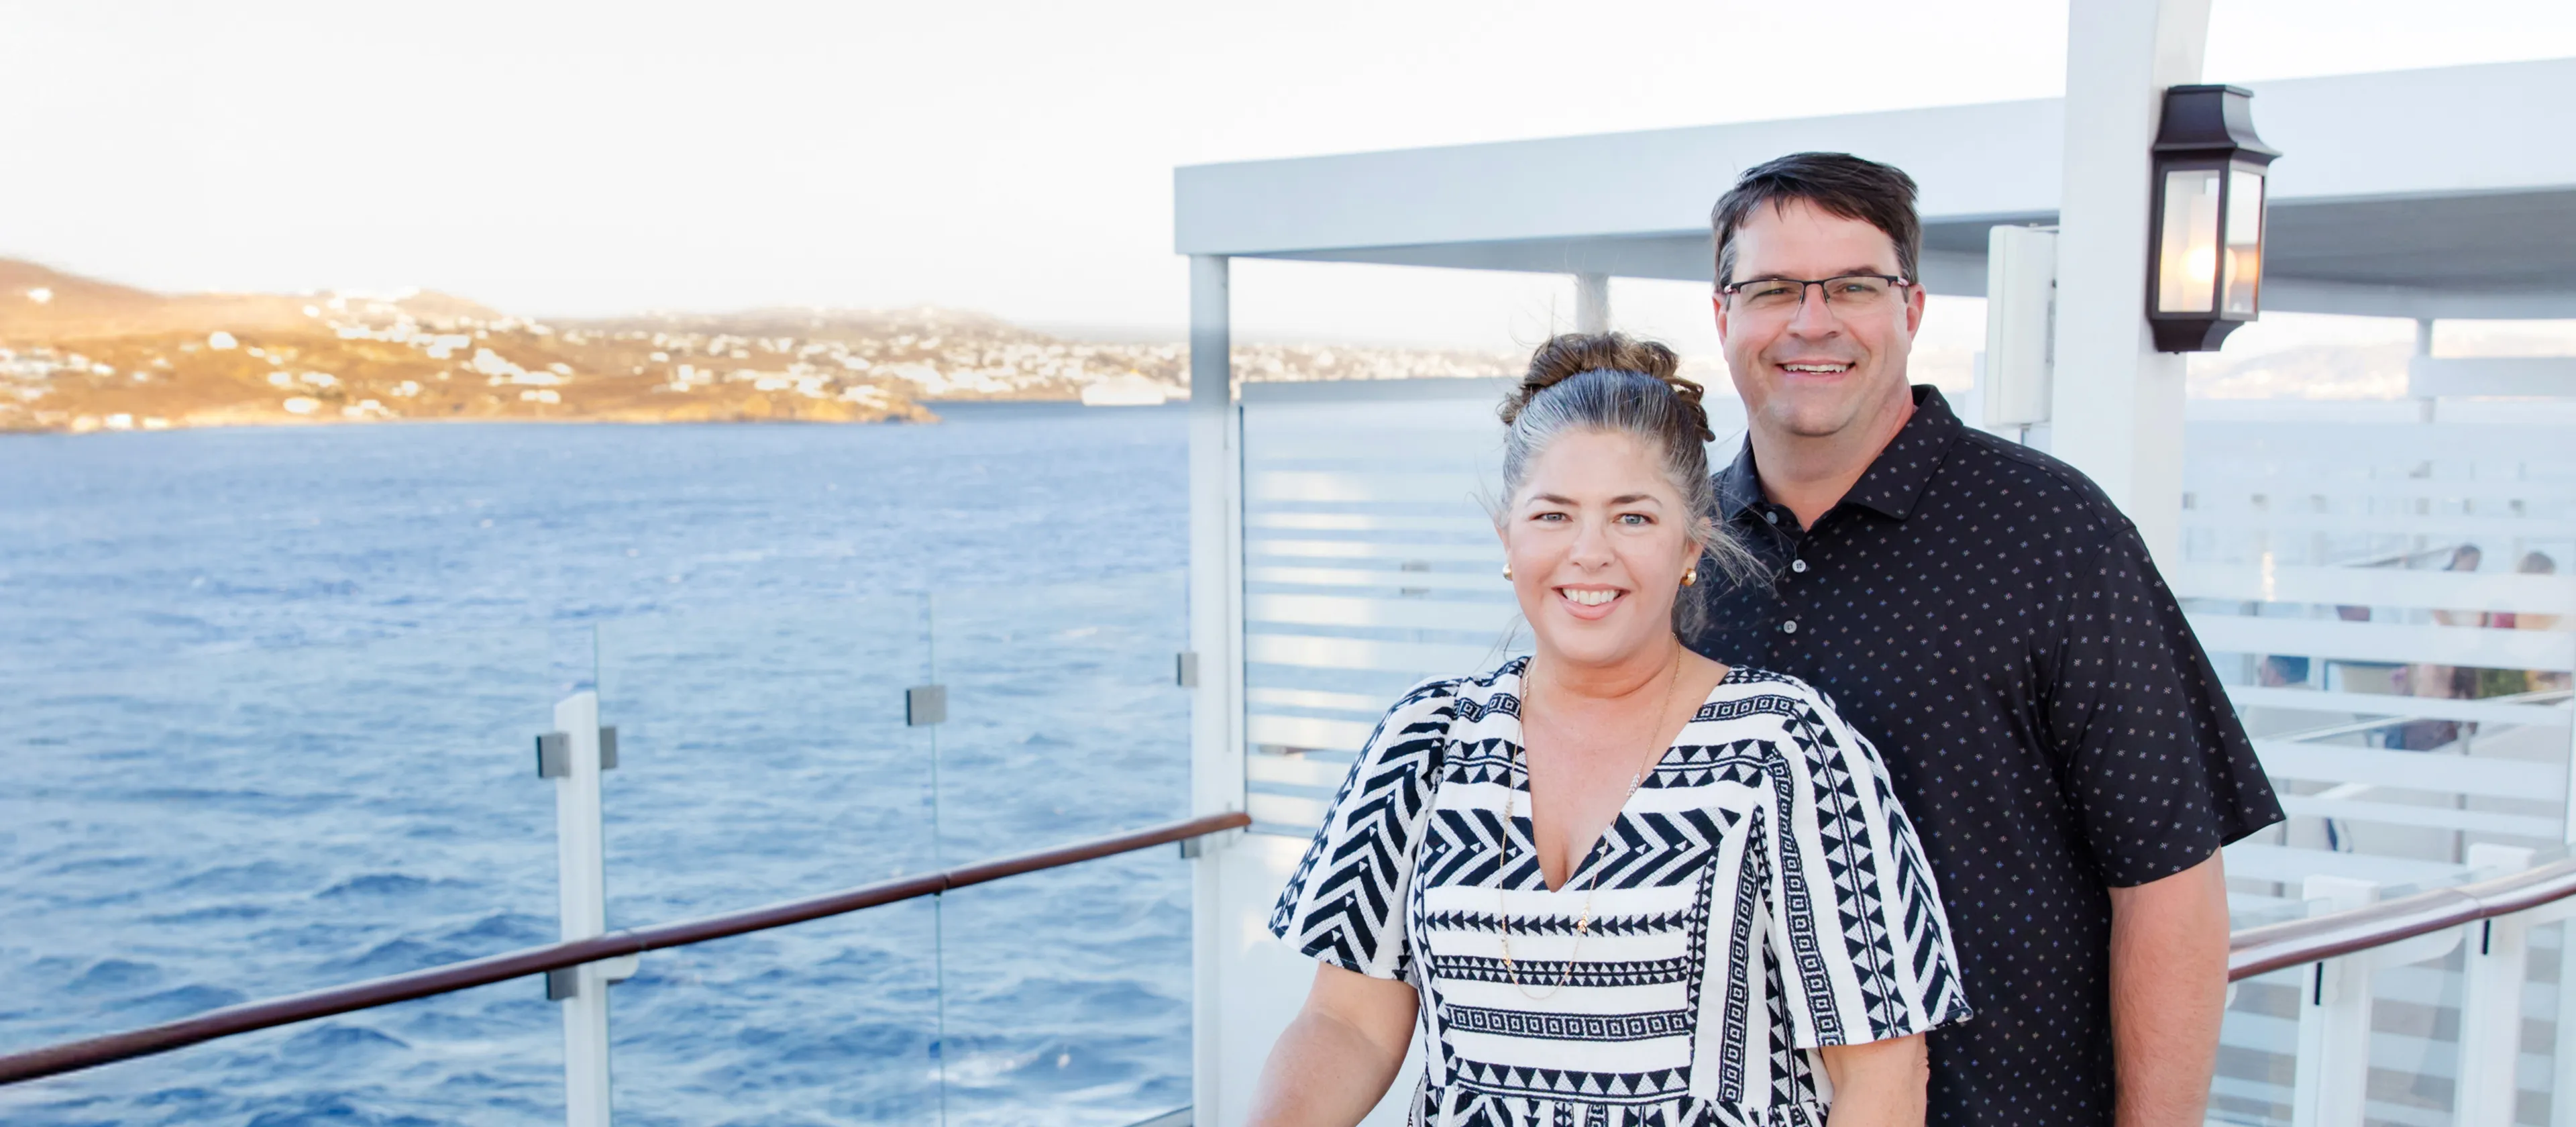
[80, 355]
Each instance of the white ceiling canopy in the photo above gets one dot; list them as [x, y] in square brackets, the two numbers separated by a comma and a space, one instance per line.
[2428, 193]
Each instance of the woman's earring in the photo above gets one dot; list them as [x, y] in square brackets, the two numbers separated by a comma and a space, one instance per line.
[1507, 571]
[1690, 577]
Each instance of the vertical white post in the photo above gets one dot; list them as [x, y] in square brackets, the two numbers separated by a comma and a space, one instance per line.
[582, 883]
[2021, 296]
[2117, 403]
[2562, 1087]
[2491, 1005]
[1216, 625]
[2562, 1072]
[2333, 1066]
[2424, 408]
[1592, 303]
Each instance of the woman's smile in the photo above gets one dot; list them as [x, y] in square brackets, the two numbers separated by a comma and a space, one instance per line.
[1589, 602]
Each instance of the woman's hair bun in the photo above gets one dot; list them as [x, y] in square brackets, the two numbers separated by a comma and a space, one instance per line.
[1571, 354]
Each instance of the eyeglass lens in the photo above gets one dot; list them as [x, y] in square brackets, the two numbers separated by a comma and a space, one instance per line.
[1779, 295]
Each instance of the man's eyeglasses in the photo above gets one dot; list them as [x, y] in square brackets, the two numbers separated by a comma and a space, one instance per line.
[1850, 293]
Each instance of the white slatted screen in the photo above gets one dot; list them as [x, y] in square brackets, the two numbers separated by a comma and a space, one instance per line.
[1368, 564]
[2316, 533]
[2323, 544]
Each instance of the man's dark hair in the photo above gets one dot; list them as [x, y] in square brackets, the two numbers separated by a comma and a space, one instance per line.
[1835, 183]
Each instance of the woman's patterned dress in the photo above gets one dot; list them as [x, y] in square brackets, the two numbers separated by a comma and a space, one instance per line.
[1760, 895]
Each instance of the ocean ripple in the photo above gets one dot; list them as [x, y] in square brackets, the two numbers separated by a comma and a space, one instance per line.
[314, 766]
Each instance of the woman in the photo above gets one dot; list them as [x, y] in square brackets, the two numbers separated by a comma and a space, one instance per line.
[1615, 882]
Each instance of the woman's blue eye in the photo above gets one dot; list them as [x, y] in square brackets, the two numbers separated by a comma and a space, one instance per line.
[1635, 518]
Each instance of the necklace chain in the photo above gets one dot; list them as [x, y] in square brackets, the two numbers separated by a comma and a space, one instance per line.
[1511, 804]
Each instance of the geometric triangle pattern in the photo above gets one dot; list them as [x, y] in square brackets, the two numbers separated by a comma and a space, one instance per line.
[1761, 895]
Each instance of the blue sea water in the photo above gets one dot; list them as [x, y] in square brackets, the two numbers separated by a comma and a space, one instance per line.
[266, 708]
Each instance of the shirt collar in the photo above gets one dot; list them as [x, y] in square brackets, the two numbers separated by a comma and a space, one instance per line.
[1893, 482]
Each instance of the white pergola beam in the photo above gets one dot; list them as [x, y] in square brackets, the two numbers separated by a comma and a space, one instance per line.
[1971, 160]
[2434, 377]
[2405, 194]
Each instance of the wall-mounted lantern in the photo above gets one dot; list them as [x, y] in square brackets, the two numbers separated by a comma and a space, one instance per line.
[2205, 275]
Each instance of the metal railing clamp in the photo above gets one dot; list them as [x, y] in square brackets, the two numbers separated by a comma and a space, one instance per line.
[554, 752]
[565, 982]
[924, 705]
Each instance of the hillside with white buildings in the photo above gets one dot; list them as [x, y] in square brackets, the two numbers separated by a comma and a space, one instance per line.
[80, 355]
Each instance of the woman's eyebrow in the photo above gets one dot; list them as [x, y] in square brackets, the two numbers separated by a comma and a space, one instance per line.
[1622, 499]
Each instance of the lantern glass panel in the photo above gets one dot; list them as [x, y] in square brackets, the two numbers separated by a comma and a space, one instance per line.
[2242, 267]
[2187, 260]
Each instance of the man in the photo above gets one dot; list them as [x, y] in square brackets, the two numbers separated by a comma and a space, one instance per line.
[1987, 617]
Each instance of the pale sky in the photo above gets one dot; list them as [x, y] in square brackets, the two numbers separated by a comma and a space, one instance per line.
[1015, 158]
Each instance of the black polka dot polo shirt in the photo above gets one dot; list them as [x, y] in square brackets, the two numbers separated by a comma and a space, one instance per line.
[1984, 615]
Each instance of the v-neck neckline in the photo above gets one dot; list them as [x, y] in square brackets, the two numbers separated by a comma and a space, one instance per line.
[1527, 788]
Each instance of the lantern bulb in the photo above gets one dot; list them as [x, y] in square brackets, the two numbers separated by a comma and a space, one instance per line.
[2201, 264]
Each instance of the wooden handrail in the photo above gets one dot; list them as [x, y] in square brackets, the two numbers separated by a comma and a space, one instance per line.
[2251, 952]
[2258, 950]
[72, 1056]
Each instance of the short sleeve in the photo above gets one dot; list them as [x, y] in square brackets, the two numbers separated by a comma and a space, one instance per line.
[1856, 922]
[1345, 903]
[2155, 763]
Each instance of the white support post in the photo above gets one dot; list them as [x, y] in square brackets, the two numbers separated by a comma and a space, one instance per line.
[2425, 407]
[2116, 404]
[2021, 306]
[2491, 1004]
[1216, 628]
[2562, 1072]
[1592, 303]
[2333, 1066]
[2562, 1087]
[581, 881]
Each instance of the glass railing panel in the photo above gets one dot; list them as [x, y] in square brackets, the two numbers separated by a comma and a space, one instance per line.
[833, 1021]
[2414, 1072]
[265, 822]
[1065, 994]
[2258, 1038]
[1065, 716]
[2414, 1042]
[2545, 1049]
[2416, 1014]
[2258, 1046]
[765, 755]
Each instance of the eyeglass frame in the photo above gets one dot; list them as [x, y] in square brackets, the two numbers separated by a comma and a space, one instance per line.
[1897, 281]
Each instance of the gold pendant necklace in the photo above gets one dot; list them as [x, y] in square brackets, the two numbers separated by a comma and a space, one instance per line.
[1511, 804]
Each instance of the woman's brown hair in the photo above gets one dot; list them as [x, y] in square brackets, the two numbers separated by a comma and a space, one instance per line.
[1611, 383]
